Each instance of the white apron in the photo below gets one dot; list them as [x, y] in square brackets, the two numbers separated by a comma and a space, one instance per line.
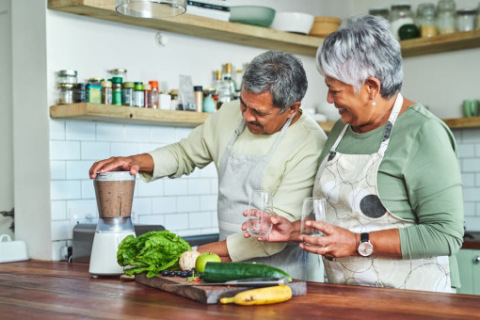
[238, 176]
[349, 183]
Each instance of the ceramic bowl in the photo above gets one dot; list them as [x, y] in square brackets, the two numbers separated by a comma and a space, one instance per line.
[323, 26]
[296, 22]
[252, 15]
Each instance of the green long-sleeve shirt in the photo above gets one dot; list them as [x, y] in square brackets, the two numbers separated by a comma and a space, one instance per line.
[419, 179]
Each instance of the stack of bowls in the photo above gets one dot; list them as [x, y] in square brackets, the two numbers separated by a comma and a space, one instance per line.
[323, 26]
[296, 22]
[252, 15]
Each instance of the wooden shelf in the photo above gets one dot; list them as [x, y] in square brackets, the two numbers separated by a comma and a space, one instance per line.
[251, 35]
[463, 123]
[132, 115]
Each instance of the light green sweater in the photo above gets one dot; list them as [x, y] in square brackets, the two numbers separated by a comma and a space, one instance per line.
[418, 179]
[290, 172]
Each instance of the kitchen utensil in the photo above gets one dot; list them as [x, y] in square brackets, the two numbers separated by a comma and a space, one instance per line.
[260, 210]
[323, 26]
[254, 282]
[295, 22]
[253, 15]
[114, 193]
[12, 250]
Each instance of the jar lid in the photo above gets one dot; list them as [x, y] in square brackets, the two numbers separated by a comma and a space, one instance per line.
[138, 85]
[65, 86]
[174, 92]
[94, 80]
[197, 88]
[106, 84]
[401, 6]
[115, 176]
[128, 85]
[67, 73]
[117, 80]
[146, 86]
[374, 11]
[153, 83]
[467, 11]
[117, 71]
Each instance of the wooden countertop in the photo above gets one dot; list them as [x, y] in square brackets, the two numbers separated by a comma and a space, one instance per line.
[60, 290]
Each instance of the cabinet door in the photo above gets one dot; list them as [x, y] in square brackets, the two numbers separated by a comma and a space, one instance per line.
[469, 268]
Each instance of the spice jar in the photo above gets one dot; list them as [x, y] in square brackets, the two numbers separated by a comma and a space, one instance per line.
[426, 20]
[147, 99]
[379, 12]
[67, 76]
[127, 94]
[138, 95]
[80, 92]
[466, 19]
[400, 15]
[106, 92]
[198, 92]
[209, 105]
[174, 99]
[65, 93]
[165, 101]
[117, 91]
[155, 94]
[446, 16]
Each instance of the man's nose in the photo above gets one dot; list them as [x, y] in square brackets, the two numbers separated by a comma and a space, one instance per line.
[249, 116]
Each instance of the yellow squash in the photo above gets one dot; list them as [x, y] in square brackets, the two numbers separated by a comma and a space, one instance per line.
[266, 295]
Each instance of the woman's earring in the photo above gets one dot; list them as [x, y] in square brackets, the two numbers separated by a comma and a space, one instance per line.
[373, 101]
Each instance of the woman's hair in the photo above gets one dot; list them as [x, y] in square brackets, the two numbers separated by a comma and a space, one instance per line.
[362, 47]
[279, 73]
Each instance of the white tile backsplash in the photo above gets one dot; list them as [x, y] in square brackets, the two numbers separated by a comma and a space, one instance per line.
[186, 205]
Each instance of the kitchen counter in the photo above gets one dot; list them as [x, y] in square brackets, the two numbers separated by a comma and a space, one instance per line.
[60, 290]
[471, 240]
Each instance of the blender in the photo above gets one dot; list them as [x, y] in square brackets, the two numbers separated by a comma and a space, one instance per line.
[114, 193]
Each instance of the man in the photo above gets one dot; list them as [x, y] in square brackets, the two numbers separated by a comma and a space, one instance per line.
[278, 151]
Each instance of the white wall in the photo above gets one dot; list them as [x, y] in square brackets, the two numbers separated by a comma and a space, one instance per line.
[185, 205]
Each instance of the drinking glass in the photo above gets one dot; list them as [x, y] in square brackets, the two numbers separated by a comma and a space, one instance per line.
[313, 210]
[260, 210]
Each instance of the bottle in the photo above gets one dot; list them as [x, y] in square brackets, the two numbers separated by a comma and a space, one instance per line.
[117, 91]
[174, 99]
[138, 95]
[238, 80]
[400, 15]
[127, 94]
[209, 104]
[466, 20]
[446, 16]
[94, 90]
[147, 100]
[227, 76]
[80, 92]
[426, 20]
[106, 92]
[198, 92]
[155, 94]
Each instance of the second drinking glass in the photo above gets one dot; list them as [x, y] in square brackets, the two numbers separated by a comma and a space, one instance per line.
[260, 210]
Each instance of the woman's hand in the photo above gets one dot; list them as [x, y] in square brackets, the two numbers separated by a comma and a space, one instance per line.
[283, 230]
[134, 164]
[336, 243]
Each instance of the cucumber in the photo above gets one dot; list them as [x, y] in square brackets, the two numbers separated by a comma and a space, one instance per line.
[226, 271]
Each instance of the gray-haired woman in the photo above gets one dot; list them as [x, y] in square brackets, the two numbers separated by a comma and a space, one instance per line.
[389, 173]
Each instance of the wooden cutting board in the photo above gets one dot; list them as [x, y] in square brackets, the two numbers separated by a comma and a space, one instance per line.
[205, 294]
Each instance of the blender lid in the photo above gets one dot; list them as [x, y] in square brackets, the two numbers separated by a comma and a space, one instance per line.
[115, 176]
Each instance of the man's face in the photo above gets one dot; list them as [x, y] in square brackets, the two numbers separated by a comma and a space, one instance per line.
[259, 113]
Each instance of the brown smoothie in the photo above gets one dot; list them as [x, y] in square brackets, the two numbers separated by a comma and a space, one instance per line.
[114, 194]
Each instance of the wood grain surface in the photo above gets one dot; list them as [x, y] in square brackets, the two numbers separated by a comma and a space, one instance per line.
[205, 294]
[59, 290]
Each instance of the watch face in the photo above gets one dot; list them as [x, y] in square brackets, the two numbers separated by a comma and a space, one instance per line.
[365, 249]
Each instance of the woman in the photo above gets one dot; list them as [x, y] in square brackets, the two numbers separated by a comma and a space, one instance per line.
[388, 172]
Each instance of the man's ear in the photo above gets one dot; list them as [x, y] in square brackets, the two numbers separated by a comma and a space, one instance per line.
[294, 108]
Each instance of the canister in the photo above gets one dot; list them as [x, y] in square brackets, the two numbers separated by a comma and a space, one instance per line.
[106, 92]
[80, 92]
[127, 94]
[67, 76]
[65, 93]
[466, 19]
[117, 91]
[138, 95]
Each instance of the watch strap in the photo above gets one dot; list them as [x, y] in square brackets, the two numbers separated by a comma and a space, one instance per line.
[364, 237]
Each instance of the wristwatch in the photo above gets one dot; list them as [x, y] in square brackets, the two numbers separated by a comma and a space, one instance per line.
[365, 248]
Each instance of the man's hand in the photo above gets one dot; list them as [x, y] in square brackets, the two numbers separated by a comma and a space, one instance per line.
[137, 163]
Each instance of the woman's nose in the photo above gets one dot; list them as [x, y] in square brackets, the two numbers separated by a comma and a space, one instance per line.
[330, 98]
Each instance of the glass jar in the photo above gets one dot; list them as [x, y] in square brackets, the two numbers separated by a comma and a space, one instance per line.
[446, 16]
[80, 92]
[426, 17]
[209, 105]
[198, 92]
[127, 94]
[174, 99]
[466, 19]
[138, 95]
[67, 76]
[118, 72]
[106, 92]
[379, 12]
[400, 14]
[117, 91]
[65, 93]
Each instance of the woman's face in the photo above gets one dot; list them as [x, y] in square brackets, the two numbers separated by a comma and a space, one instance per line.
[355, 108]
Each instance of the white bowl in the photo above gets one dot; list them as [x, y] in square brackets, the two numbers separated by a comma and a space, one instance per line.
[296, 22]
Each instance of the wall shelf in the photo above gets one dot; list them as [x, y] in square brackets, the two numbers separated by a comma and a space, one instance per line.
[251, 35]
[132, 115]
[173, 118]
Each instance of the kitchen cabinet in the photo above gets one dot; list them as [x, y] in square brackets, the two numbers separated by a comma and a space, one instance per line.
[469, 267]
[252, 35]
